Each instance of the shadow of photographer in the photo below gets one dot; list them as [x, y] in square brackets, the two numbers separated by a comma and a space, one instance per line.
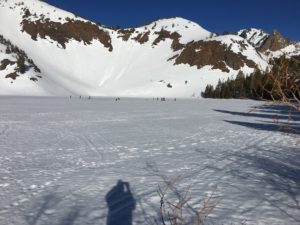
[121, 204]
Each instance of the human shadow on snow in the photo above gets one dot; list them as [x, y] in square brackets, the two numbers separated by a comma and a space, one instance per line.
[121, 204]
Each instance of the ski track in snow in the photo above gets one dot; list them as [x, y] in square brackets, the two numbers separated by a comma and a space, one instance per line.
[59, 157]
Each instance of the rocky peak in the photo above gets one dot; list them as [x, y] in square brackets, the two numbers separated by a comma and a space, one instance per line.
[274, 42]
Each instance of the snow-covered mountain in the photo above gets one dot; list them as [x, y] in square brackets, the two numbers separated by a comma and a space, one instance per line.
[65, 54]
[254, 36]
[272, 45]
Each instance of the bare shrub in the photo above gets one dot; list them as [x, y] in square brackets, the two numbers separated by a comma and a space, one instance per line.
[180, 211]
[283, 88]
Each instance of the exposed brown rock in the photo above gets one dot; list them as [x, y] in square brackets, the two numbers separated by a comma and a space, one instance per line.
[26, 13]
[4, 63]
[142, 37]
[163, 35]
[33, 79]
[125, 33]
[274, 42]
[64, 32]
[203, 53]
[12, 76]
[154, 25]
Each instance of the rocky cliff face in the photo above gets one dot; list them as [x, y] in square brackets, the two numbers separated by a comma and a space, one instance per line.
[214, 53]
[274, 42]
[272, 45]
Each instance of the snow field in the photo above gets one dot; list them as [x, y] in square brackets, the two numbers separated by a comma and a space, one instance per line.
[59, 157]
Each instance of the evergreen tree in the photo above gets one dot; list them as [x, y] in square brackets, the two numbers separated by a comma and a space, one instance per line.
[260, 85]
[7, 51]
[21, 63]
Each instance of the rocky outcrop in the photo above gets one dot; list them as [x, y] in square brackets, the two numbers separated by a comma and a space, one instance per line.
[274, 42]
[5, 62]
[64, 32]
[142, 37]
[125, 34]
[12, 76]
[174, 36]
[219, 56]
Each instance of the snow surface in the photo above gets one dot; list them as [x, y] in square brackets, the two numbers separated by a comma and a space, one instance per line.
[24, 86]
[59, 157]
[289, 51]
[189, 30]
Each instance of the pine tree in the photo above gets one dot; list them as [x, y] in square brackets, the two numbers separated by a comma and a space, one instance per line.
[208, 93]
[7, 51]
[21, 64]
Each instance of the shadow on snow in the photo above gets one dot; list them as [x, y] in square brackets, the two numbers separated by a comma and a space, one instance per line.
[278, 118]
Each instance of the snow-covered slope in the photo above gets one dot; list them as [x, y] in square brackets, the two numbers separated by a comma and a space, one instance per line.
[170, 57]
[254, 36]
[15, 65]
[289, 51]
[272, 45]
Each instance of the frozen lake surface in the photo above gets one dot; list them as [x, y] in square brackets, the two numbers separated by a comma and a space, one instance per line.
[60, 157]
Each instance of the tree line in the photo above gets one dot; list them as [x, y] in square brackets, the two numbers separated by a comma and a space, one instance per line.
[258, 85]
